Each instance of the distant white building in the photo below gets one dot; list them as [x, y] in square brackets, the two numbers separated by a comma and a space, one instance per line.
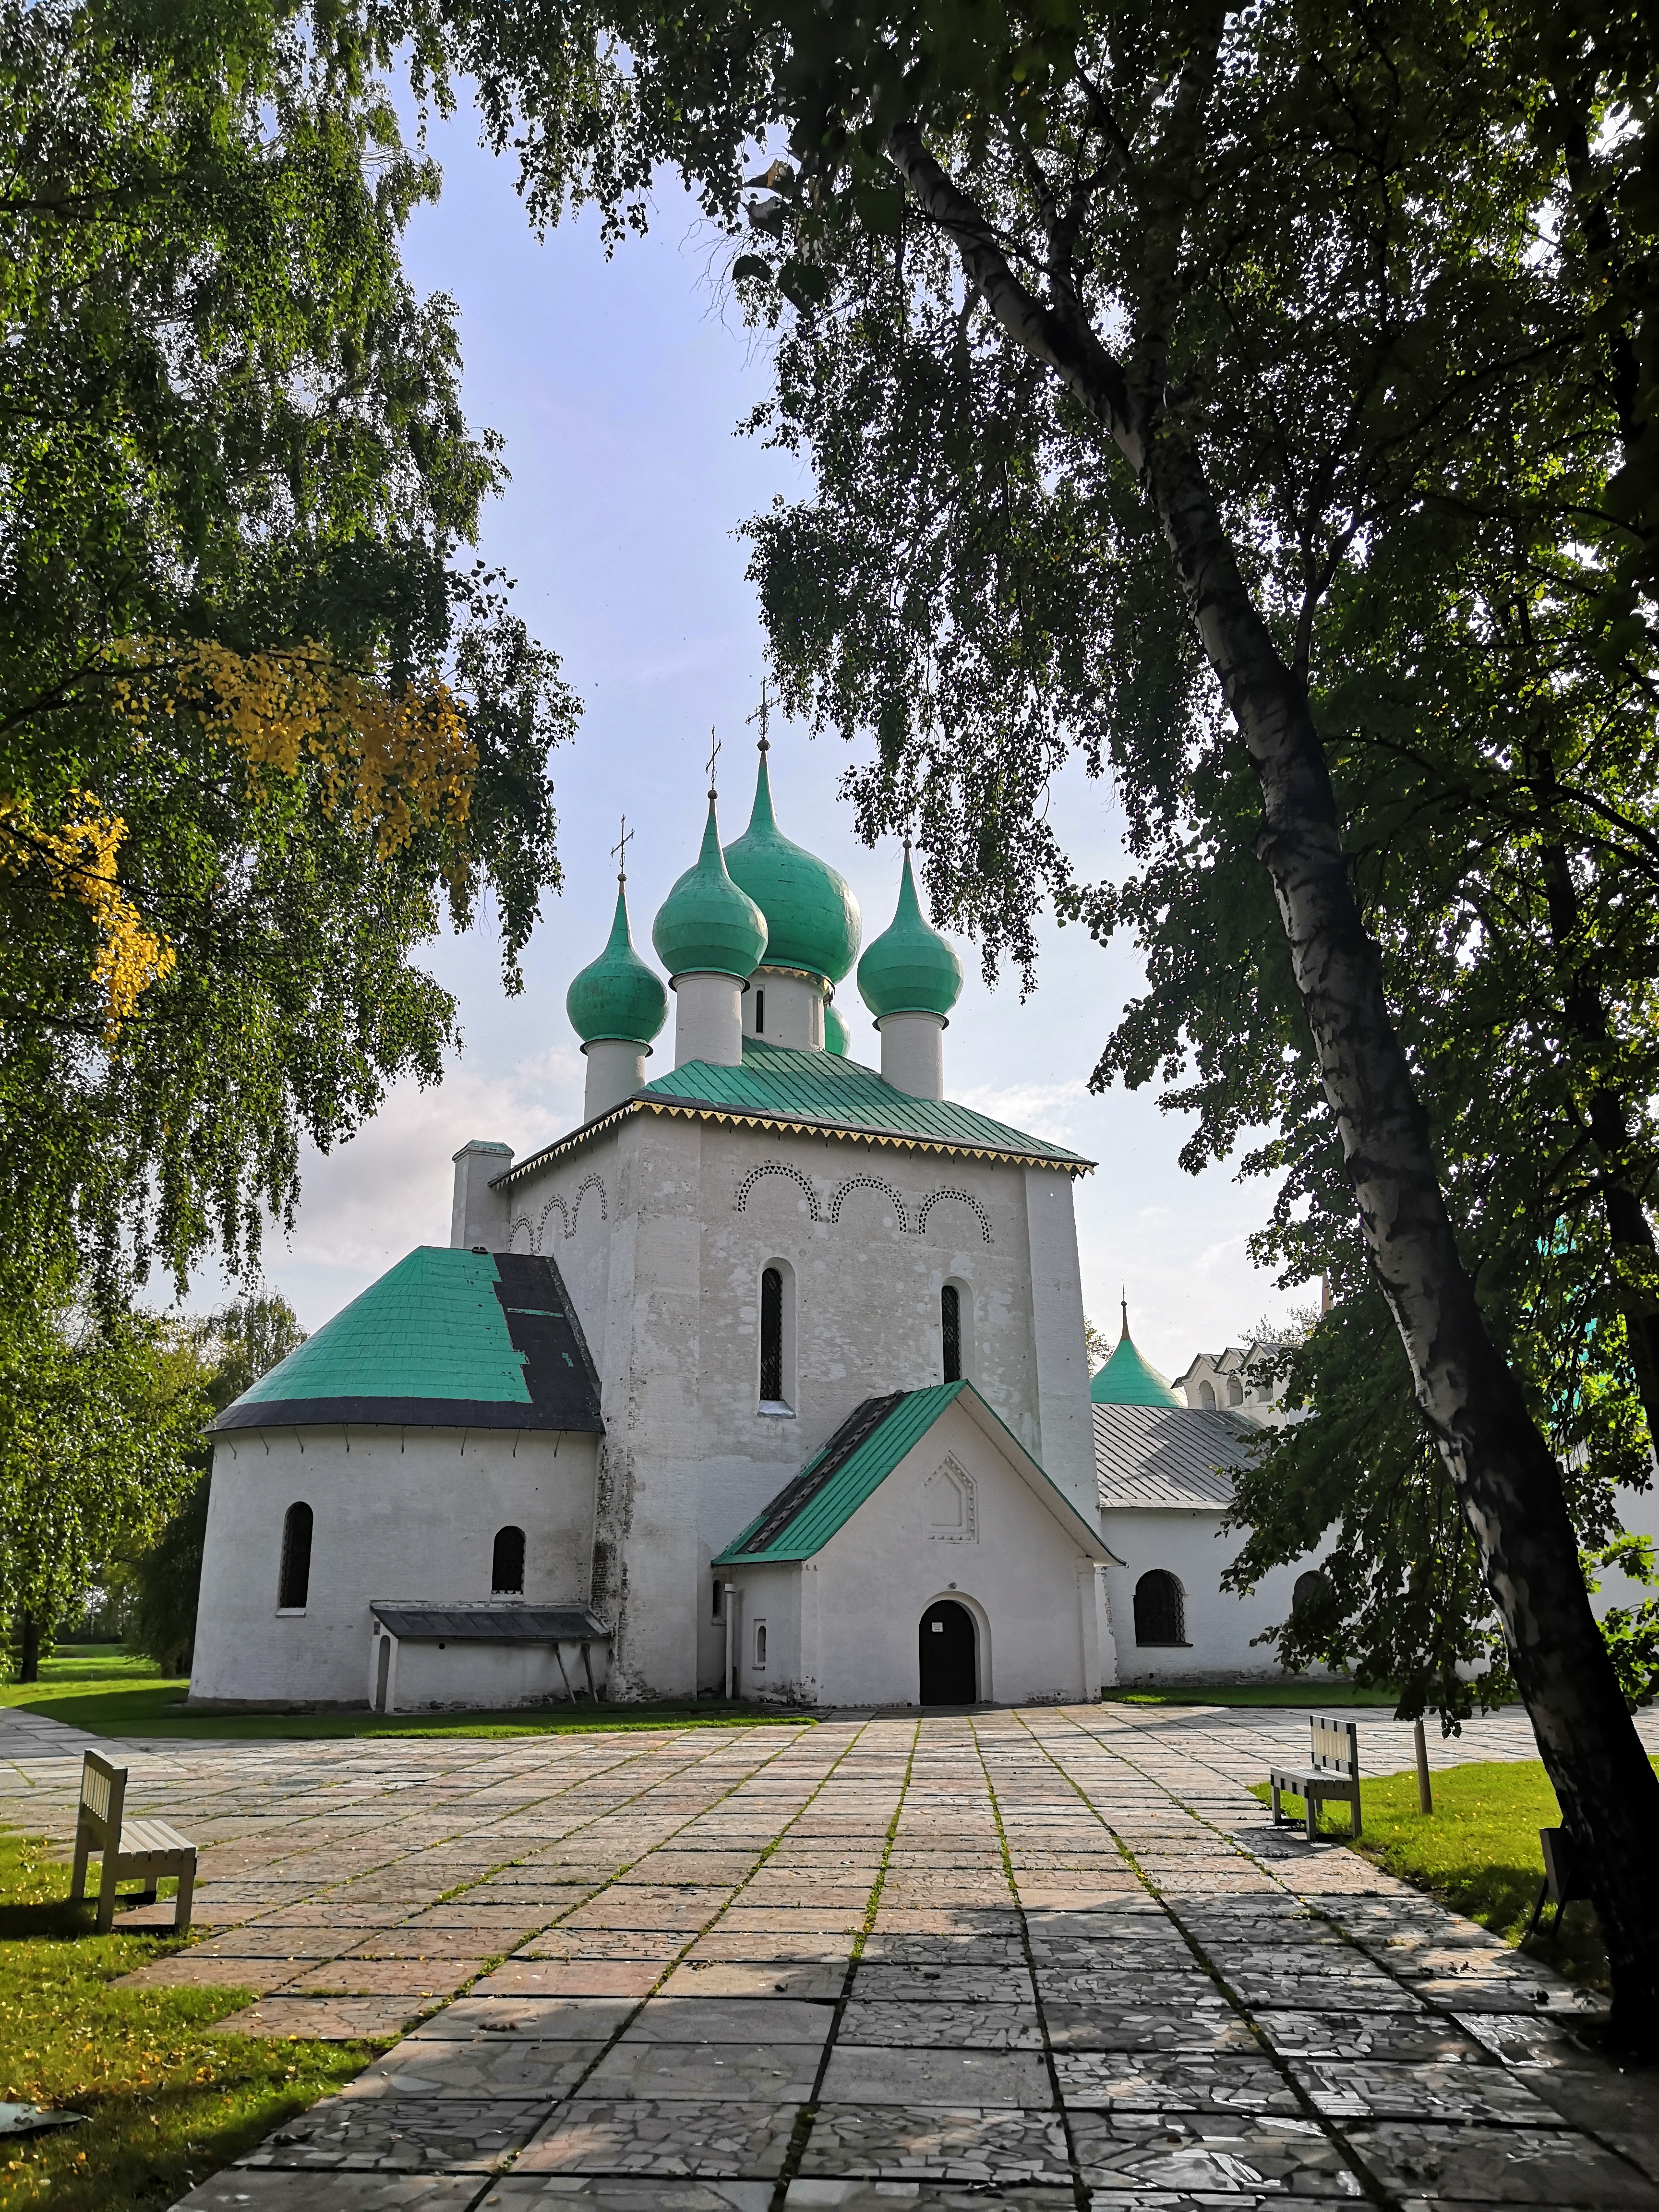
[1166, 1476]
[1239, 1380]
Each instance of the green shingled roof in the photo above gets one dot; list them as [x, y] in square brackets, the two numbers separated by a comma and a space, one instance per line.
[856, 1460]
[445, 1337]
[433, 1328]
[821, 1087]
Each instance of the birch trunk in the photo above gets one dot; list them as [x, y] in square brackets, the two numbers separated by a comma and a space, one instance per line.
[1506, 1480]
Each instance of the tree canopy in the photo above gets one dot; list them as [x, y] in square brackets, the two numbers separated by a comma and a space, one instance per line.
[260, 725]
[1257, 403]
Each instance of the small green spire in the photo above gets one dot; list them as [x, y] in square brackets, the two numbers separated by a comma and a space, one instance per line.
[617, 996]
[706, 924]
[910, 968]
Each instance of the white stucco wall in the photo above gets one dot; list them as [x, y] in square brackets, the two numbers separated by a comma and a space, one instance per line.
[842, 1628]
[667, 1291]
[1193, 1546]
[398, 1514]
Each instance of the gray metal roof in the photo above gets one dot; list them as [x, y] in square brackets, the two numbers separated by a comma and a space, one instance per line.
[492, 1623]
[1173, 1456]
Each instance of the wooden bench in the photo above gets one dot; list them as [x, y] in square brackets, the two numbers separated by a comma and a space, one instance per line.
[1561, 1882]
[140, 1850]
[1332, 1773]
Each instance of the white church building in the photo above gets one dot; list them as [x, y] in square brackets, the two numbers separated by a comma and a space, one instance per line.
[768, 1377]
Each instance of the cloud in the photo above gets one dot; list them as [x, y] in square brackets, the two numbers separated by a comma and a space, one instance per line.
[1045, 1106]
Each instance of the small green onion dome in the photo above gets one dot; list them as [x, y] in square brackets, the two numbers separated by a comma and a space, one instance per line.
[812, 918]
[837, 1037]
[707, 926]
[910, 968]
[1127, 1379]
[617, 995]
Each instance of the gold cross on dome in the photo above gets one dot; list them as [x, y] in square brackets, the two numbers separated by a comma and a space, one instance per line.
[713, 755]
[619, 851]
[763, 715]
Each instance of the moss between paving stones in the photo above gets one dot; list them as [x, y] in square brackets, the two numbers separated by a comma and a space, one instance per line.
[167, 2101]
[103, 1689]
[1478, 1852]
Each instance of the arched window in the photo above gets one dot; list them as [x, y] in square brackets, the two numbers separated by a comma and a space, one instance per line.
[506, 1563]
[950, 1319]
[1234, 1391]
[1160, 1611]
[771, 1317]
[759, 1013]
[1207, 1396]
[293, 1578]
[1310, 1588]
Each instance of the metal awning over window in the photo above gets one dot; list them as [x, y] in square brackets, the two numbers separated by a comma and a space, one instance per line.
[492, 1623]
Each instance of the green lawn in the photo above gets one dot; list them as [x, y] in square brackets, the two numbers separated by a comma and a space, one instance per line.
[104, 1689]
[1478, 1850]
[167, 2102]
[1306, 1697]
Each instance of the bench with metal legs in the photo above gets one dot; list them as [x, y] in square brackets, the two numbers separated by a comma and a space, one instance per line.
[1332, 1775]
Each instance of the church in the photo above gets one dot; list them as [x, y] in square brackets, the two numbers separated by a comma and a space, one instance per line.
[768, 1380]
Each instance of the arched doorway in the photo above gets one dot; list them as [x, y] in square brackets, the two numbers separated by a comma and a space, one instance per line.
[949, 1671]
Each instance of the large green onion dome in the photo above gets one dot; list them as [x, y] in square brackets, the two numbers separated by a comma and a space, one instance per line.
[837, 1037]
[910, 968]
[617, 995]
[812, 918]
[707, 926]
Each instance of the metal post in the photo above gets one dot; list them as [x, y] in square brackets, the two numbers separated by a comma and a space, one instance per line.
[1424, 1789]
[730, 1594]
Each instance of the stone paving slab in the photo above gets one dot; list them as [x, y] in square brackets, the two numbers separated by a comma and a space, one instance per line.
[795, 1956]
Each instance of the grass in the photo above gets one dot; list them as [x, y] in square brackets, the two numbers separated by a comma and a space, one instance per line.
[110, 1691]
[167, 2102]
[1303, 1695]
[1477, 1851]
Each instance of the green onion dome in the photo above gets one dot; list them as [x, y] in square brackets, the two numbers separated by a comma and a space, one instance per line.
[812, 918]
[910, 968]
[617, 995]
[837, 1037]
[707, 926]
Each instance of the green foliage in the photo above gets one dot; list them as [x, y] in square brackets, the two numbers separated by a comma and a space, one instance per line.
[229, 427]
[1632, 1631]
[101, 1412]
[167, 2102]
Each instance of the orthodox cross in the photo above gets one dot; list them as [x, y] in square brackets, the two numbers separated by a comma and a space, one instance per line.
[713, 755]
[619, 851]
[761, 715]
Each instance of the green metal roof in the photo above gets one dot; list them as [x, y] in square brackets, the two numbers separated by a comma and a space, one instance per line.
[806, 1512]
[822, 1089]
[1127, 1380]
[444, 1338]
[848, 1469]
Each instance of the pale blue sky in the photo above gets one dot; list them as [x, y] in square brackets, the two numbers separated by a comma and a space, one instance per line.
[618, 387]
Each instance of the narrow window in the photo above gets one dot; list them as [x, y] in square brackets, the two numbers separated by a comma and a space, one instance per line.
[771, 1360]
[506, 1563]
[1207, 1396]
[1234, 1391]
[759, 1013]
[950, 1314]
[719, 1610]
[760, 1643]
[294, 1579]
[1160, 1613]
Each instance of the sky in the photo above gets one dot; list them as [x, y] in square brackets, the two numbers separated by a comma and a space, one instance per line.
[618, 384]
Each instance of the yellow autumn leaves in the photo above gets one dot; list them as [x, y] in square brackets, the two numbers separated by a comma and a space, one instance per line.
[396, 762]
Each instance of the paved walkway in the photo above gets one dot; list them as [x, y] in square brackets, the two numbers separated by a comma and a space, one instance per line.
[1051, 1959]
